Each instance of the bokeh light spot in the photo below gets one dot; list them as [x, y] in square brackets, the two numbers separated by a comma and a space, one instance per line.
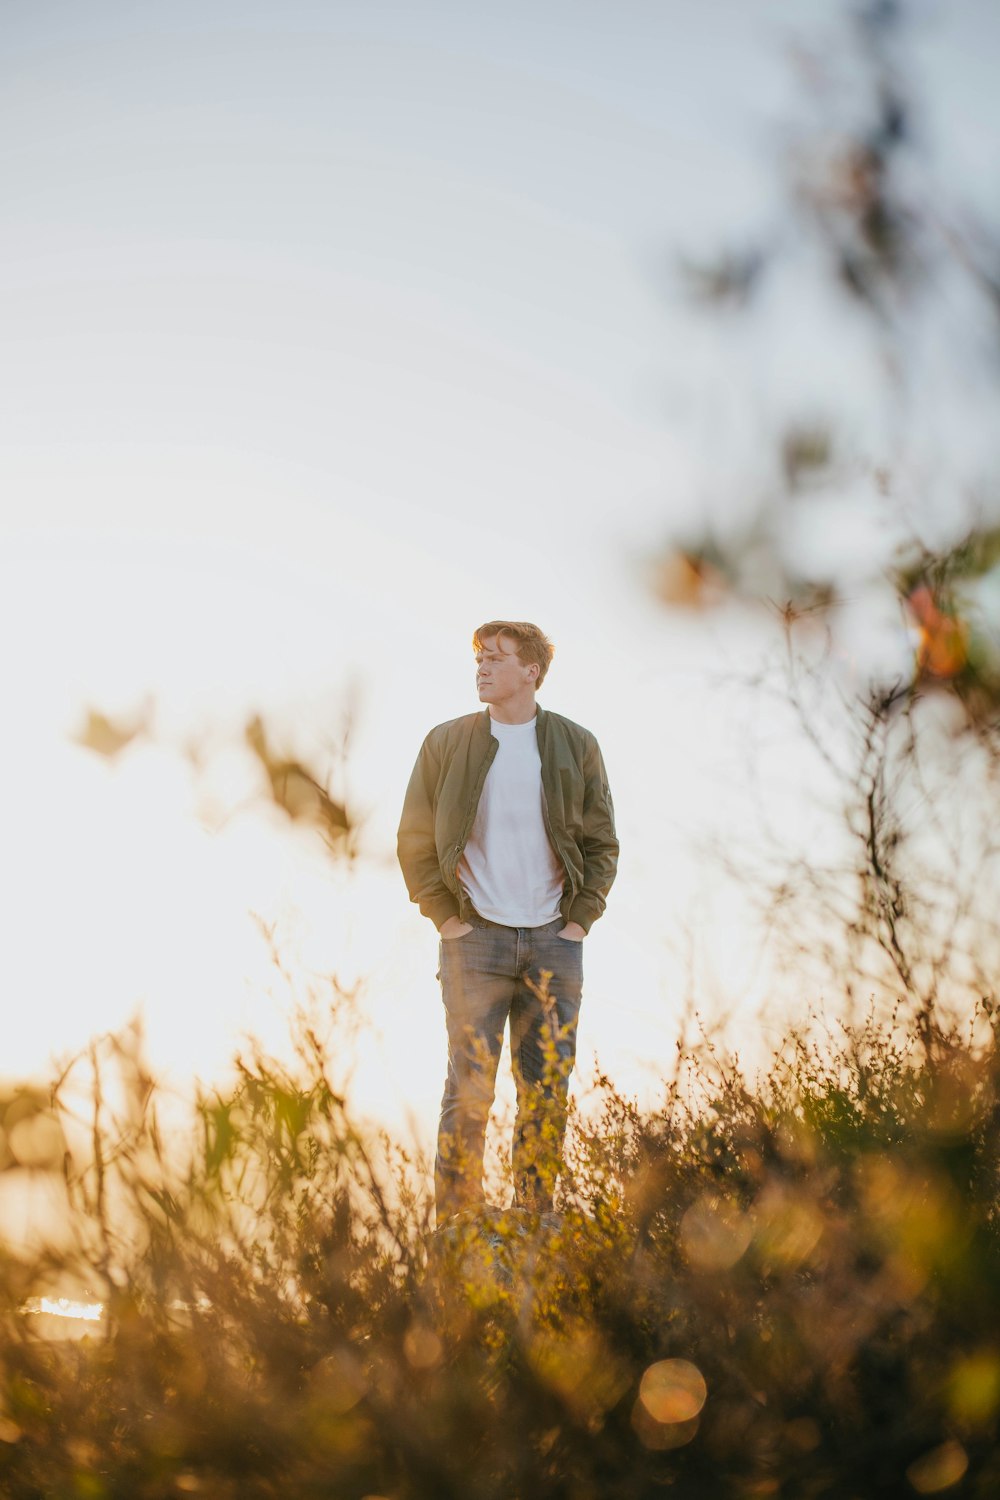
[714, 1233]
[673, 1390]
[337, 1382]
[939, 1469]
[788, 1228]
[422, 1347]
[661, 1436]
[975, 1388]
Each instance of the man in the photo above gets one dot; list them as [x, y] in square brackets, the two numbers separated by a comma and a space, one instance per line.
[507, 843]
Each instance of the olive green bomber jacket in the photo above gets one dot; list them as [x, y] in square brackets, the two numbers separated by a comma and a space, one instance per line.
[443, 796]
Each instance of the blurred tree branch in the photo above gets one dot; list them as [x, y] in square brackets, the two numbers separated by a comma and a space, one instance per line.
[906, 725]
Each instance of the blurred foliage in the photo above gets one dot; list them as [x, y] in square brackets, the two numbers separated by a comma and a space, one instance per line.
[31, 1135]
[785, 1289]
[858, 526]
[294, 789]
[284, 780]
[877, 222]
[108, 736]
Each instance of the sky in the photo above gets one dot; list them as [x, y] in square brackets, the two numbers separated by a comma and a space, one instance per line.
[332, 330]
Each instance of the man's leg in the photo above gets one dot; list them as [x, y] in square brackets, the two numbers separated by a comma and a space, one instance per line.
[543, 1025]
[477, 987]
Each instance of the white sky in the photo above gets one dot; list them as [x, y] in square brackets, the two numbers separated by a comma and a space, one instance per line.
[331, 330]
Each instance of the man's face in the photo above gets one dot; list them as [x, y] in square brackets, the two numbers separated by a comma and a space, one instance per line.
[500, 674]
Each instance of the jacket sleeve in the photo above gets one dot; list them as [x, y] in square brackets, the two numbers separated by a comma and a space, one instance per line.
[599, 843]
[416, 846]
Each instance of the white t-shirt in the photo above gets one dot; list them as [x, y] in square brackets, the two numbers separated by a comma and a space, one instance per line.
[509, 868]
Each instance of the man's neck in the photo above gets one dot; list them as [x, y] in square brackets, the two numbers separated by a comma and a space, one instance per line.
[516, 711]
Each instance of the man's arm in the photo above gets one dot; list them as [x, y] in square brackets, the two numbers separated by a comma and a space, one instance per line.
[416, 847]
[599, 842]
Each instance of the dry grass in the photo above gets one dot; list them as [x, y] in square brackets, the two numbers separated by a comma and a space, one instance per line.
[790, 1290]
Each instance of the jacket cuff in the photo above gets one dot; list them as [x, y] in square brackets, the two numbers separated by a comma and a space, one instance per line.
[439, 909]
[583, 912]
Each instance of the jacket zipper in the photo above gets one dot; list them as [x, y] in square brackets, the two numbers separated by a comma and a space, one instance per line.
[473, 807]
[567, 877]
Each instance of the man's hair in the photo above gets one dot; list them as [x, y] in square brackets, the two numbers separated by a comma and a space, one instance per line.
[533, 645]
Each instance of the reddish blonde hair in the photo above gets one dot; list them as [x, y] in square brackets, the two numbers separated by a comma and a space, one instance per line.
[533, 645]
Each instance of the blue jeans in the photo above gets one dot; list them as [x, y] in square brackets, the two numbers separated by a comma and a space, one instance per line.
[491, 975]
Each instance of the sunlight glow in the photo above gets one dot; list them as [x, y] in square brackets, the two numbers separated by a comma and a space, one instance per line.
[65, 1307]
